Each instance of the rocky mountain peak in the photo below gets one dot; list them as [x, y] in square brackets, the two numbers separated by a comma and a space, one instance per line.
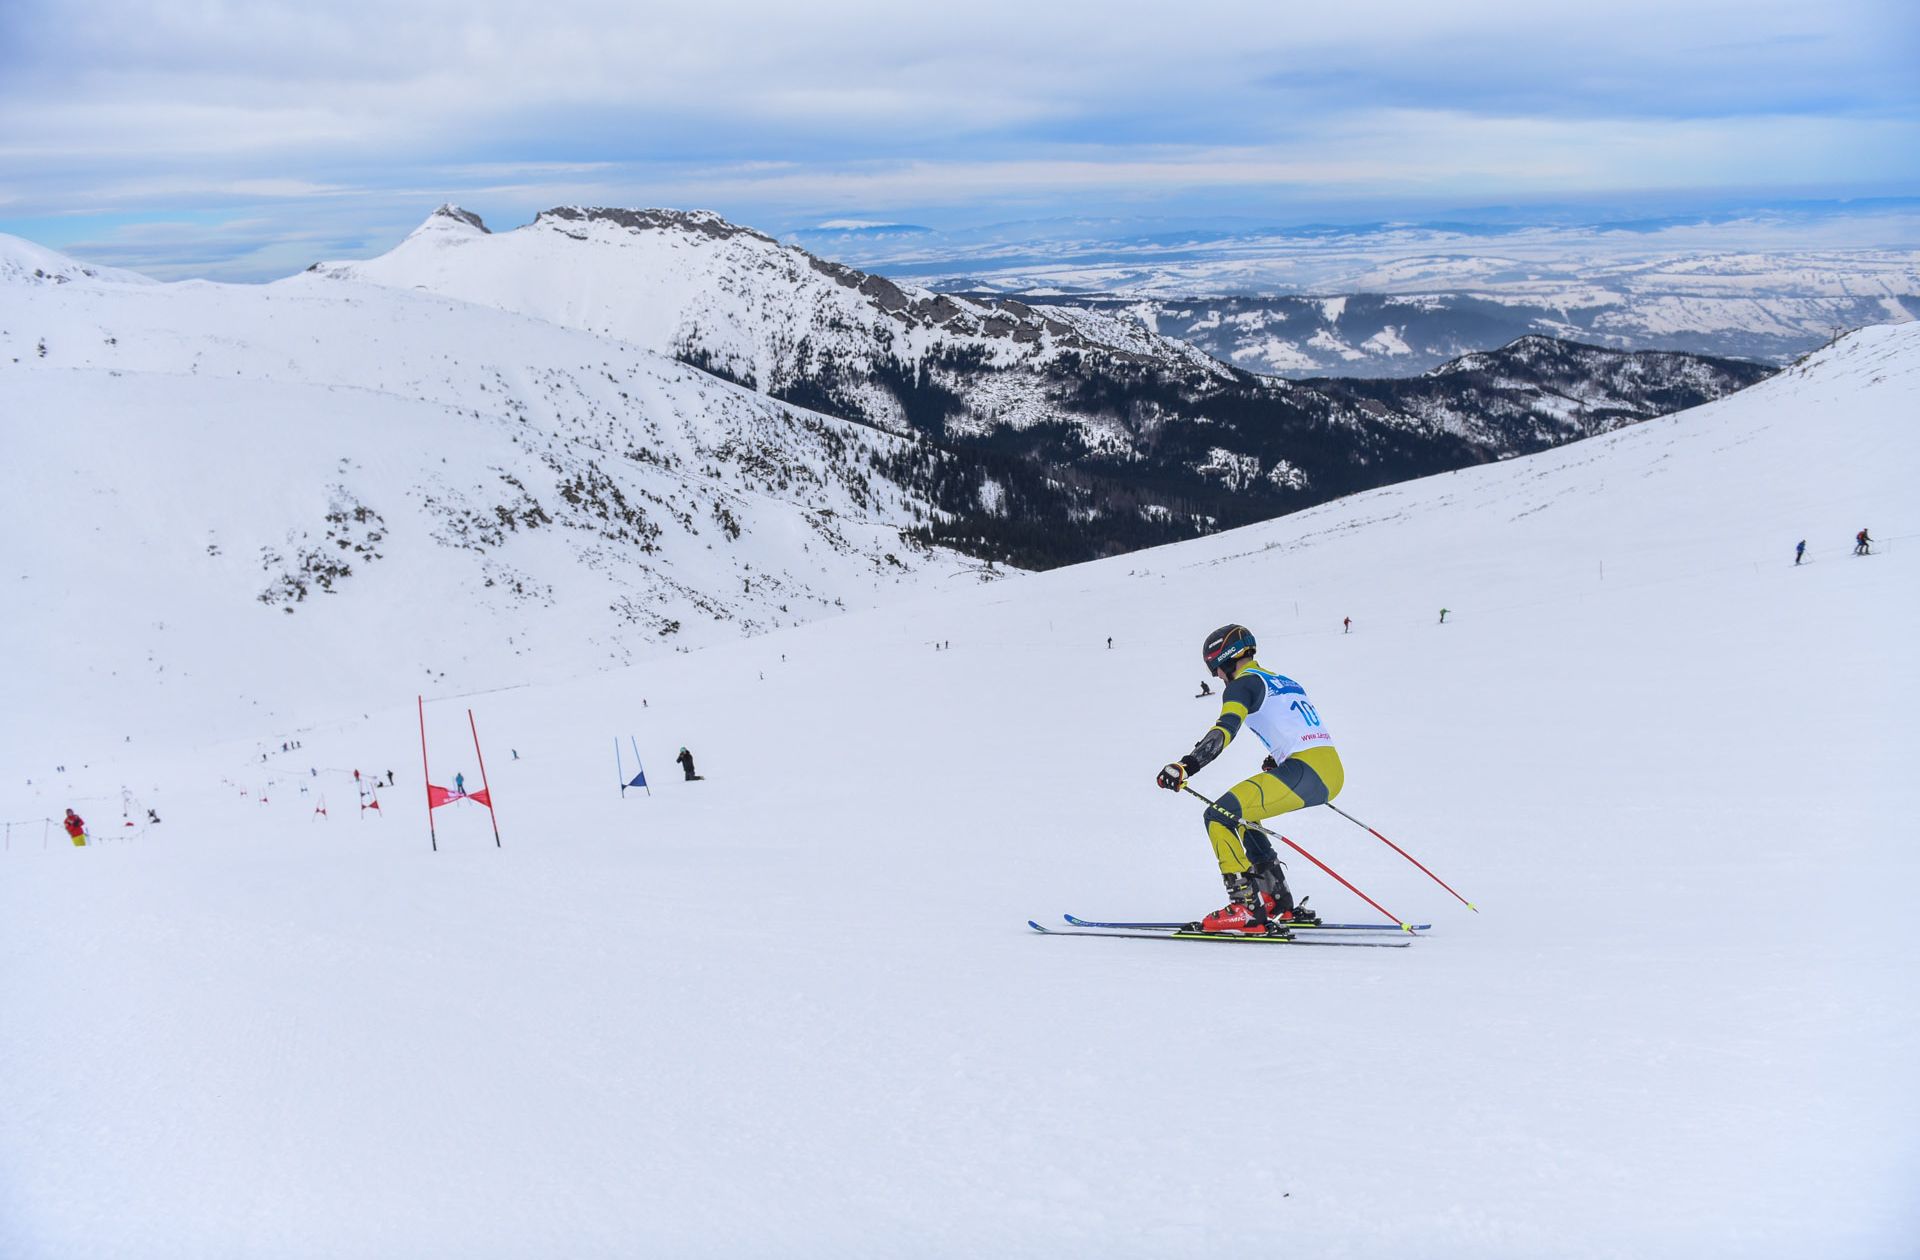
[700, 222]
[450, 215]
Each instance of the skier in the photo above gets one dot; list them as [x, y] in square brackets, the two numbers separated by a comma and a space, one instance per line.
[76, 828]
[1348, 623]
[1862, 545]
[686, 763]
[459, 784]
[1443, 615]
[153, 816]
[389, 778]
[1799, 550]
[1303, 770]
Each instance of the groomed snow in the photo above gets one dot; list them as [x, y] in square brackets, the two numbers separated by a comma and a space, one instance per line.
[794, 1010]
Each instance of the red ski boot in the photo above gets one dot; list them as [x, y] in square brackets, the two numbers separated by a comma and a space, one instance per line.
[1235, 919]
[1241, 916]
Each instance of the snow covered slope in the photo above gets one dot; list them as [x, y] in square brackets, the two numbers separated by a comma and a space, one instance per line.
[221, 493]
[793, 1009]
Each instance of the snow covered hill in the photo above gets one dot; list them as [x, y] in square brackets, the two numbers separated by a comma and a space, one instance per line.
[1095, 434]
[794, 1008]
[397, 488]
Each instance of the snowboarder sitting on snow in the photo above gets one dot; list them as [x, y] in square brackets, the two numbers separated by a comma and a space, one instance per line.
[76, 828]
[686, 763]
[1307, 772]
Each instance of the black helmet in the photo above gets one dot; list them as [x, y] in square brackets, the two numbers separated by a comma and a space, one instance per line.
[1226, 648]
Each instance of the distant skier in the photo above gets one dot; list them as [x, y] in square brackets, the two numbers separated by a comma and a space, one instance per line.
[1307, 772]
[389, 778]
[1799, 550]
[1347, 623]
[459, 784]
[1109, 643]
[153, 816]
[76, 829]
[1862, 545]
[1443, 615]
[686, 763]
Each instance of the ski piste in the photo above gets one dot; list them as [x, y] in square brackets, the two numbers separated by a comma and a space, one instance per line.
[1183, 935]
[1292, 927]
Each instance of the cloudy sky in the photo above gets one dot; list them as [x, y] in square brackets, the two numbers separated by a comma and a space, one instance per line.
[243, 139]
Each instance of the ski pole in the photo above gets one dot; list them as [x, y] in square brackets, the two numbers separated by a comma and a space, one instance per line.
[1403, 853]
[1274, 835]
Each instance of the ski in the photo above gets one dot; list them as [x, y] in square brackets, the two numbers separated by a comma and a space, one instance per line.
[1297, 927]
[1214, 936]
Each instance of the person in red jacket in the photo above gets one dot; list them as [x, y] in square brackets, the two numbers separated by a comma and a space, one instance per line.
[77, 828]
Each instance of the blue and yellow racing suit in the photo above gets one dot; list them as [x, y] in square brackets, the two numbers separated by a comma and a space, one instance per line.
[1307, 770]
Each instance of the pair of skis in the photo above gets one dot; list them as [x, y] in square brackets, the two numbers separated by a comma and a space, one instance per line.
[1348, 934]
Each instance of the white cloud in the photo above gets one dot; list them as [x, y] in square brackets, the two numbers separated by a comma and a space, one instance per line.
[863, 109]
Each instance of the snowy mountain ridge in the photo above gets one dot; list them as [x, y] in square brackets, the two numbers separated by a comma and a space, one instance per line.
[1157, 440]
[689, 283]
[23, 262]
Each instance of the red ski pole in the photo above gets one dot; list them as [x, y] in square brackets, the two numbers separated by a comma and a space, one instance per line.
[1403, 853]
[1404, 925]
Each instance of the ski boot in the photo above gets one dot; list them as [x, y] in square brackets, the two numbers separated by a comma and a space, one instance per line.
[1270, 884]
[1243, 915]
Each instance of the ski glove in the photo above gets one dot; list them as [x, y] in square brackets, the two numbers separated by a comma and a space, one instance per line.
[1173, 776]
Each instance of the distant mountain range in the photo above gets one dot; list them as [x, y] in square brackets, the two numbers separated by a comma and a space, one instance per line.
[1399, 299]
[1374, 335]
[1076, 429]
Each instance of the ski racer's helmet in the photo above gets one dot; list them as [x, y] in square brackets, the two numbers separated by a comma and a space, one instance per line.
[1226, 648]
